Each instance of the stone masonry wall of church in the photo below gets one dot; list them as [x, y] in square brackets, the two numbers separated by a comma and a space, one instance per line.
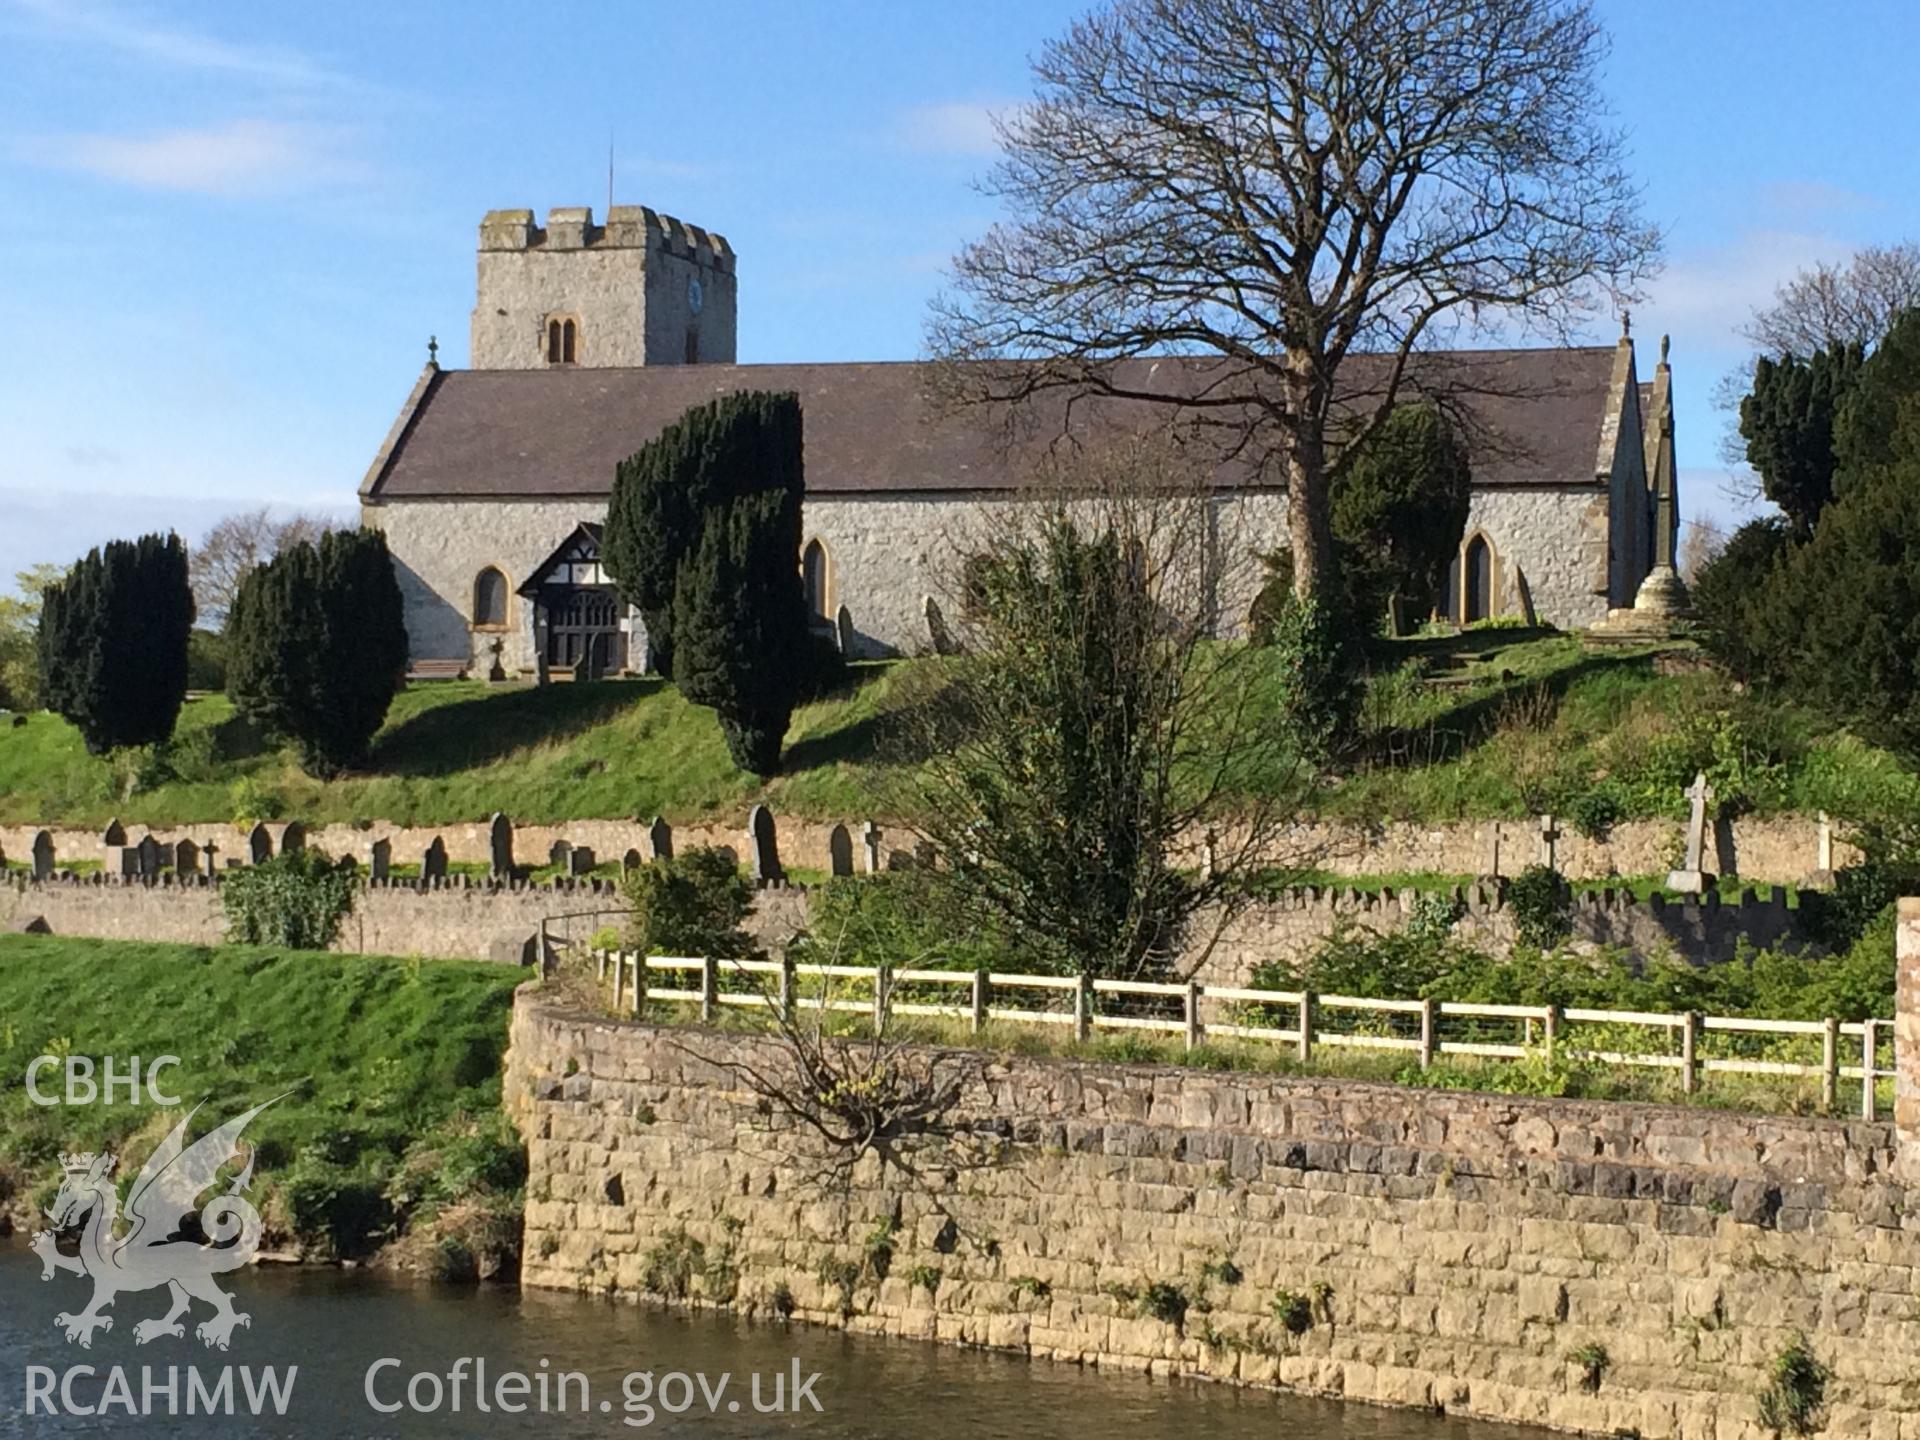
[888, 554]
[1556, 536]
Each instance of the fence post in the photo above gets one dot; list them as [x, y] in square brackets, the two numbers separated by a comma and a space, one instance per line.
[639, 982]
[1196, 1032]
[619, 976]
[709, 987]
[1830, 1065]
[1083, 1007]
[1426, 1033]
[1689, 1050]
[786, 988]
[1306, 1026]
[882, 996]
[1869, 1087]
[979, 999]
[1552, 1030]
[599, 963]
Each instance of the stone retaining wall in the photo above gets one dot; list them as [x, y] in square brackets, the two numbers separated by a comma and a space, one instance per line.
[458, 920]
[1452, 1251]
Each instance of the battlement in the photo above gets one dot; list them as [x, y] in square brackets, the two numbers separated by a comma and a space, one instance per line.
[628, 227]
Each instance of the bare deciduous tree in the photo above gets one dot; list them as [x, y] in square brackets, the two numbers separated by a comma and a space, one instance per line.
[1700, 546]
[1283, 184]
[1853, 302]
[234, 546]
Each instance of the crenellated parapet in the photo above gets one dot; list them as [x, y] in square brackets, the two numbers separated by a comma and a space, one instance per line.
[627, 227]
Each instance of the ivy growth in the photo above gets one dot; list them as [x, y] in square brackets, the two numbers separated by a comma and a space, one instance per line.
[299, 900]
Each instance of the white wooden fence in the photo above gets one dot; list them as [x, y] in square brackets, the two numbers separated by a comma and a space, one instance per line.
[1201, 1012]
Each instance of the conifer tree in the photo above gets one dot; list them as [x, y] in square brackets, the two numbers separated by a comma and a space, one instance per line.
[112, 642]
[1788, 423]
[703, 537]
[318, 646]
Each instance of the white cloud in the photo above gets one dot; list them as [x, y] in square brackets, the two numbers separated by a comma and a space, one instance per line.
[242, 157]
[1707, 296]
[1801, 198]
[952, 128]
[128, 33]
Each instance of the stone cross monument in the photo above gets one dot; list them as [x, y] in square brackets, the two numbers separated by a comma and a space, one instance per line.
[1693, 879]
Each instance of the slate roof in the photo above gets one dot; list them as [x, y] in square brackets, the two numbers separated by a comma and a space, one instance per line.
[1532, 417]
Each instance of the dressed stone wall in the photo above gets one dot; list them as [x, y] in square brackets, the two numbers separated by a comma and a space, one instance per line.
[1454, 1251]
[1554, 536]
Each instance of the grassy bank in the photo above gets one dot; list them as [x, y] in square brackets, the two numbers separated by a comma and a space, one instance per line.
[1490, 724]
[390, 1130]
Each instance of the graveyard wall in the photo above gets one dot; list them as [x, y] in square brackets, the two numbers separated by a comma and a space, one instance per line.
[441, 921]
[1468, 1245]
[1780, 850]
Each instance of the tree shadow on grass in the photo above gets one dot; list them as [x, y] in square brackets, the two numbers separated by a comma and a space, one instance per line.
[1448, 736]
[470, 733]
[893, 735]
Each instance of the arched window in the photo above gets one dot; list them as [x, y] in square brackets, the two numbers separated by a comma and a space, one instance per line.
[490, 599]
[566, 343]
[1479, 580]
[563, 340]
[813, 573]
[553, 342]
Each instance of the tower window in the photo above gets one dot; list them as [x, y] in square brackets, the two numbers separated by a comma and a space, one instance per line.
[553, 342]
[563, 341]
[566, 343]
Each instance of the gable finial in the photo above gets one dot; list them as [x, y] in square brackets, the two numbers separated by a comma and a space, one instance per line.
[1666, 346]
[433, 351]
[1626, 324]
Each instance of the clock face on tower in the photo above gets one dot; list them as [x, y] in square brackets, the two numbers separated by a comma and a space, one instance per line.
[693, 296]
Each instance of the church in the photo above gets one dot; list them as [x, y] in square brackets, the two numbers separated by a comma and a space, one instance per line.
[588, 338]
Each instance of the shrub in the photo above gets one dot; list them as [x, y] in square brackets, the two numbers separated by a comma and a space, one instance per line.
[1796, 1392]
[1317, 680]
[1861, 894]
[206, 660]
[1294, 1312]
[112, 642]
[1595, 812]
[1728, 583]
[1399, 513]
[1541, 905]
[299, 899]
[694, 903]
[317, 645]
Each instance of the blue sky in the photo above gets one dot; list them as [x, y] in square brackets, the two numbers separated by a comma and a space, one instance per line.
[226, 230]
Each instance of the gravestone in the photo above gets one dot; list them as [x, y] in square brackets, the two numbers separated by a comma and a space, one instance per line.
[123, 861]
[1209, 855]
[1693, 878]
[500, 847]
[870, 847]
[115, 834]
[1549, 842]
[433, 865]
[582, 860]
[148, 852]
[840, 850]
[186, 859]
[210, 856]
[660, 840]
[293, 839]
[259, 844]
[938, 635]
[763, 846]
[843, 634]
[631, 861]
[560, 857]
[380, 859]
[43, 855]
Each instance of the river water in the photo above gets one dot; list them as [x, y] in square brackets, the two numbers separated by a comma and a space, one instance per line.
[333, 1328]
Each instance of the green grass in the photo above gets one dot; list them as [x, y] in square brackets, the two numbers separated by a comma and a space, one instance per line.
[385, 1063]
[1491, 724]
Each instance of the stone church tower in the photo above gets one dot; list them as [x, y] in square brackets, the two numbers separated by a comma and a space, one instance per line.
[643, 289]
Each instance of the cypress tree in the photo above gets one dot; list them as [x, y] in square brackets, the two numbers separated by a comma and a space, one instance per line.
[1788, 421]
[318, 646]
[112, 643]
[703, 537]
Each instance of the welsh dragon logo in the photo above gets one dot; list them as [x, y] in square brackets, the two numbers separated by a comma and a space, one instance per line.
[154, 1251]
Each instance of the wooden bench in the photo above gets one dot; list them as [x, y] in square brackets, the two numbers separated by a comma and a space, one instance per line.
[436, 670]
